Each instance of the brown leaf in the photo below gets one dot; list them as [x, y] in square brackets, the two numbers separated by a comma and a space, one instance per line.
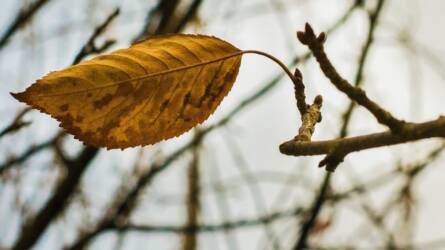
[156, 89]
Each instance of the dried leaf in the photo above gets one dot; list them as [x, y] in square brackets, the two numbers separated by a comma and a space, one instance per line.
[156, 89]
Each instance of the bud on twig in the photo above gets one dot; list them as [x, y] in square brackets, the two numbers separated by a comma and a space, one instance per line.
[298, 74]
[321, 37]
[301, 37]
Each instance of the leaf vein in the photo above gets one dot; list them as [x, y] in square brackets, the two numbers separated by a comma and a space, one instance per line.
[146, 76]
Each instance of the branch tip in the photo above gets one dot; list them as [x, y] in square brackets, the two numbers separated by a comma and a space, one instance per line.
[308, 30]
[318, 100]
[301, 37]
[321, 37]
[298, 74]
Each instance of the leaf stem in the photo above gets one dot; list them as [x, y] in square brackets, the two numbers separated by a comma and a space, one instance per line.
[296, 79]
[276, 60]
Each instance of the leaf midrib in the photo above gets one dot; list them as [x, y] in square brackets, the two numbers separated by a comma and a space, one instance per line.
[237, 53]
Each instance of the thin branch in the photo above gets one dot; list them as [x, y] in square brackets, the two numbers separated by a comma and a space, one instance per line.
[167, 9]
[158, 19]
[311, 117]
[35, 227]
[22, 17]
[411, 132]
[16, 124]
[32, 150]
[313, 214]
[90, 48]
[315, 44]
[300, 96]
[190, 241]
[419, 167]
[213, 227]
[189, 15]
[373, 22]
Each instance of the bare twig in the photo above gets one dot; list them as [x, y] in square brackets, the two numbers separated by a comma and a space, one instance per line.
[373, 22]
[311, 117]
[16, 124]
[22, 17]
[34, 228]
[190, 241]
[215, 227]
[313, 214]
[300, 96]
[315, 43]
[411, 132]
[32, 150]
[189, 15]
[158, 19]
[90, 48]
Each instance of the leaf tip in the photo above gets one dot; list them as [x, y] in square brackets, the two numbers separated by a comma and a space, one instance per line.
[20, 96]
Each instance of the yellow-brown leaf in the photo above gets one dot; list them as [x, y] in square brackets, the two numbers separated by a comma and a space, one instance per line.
[156, 89]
